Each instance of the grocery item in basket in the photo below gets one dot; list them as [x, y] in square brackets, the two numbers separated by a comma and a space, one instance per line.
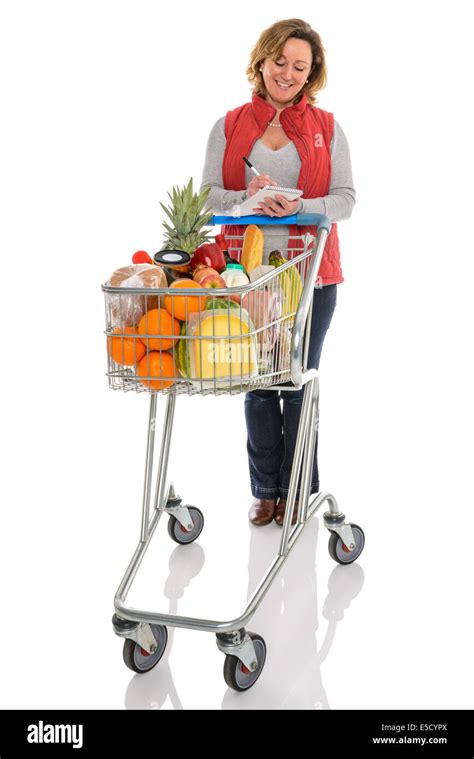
[208, 254]
[290, 281]
[222, 243]
[159, 369]
[144, 275]
[141, 257]
[127, 309]
[160, 323]
[222, 302]
[180, 306]
[252, 249]
[173, 273]
[259, 272]
[188, 218]
[181, 353]
[282, 348]
[124, 350]
[234, 275]
[176, 259]
[208, 277]
[223, 349]
[264, 308]
[201, 272]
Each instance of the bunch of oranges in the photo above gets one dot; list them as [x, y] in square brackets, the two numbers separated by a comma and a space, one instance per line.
[147, 346]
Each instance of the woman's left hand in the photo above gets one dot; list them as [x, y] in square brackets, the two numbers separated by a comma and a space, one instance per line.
[278, 207]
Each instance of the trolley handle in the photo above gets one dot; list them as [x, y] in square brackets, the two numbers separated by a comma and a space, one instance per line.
[300, 219]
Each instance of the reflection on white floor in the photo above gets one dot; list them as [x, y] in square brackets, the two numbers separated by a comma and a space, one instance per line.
[149, 691]
[288, 619]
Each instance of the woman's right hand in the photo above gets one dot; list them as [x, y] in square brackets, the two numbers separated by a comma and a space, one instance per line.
[263, 180]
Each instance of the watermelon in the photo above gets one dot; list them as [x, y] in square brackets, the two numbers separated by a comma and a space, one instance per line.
[213, 303]
[182, 354]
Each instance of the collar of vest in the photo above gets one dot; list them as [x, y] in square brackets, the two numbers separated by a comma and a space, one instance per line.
[264, 112]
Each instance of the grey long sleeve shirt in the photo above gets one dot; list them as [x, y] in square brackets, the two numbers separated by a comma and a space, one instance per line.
[283, 166]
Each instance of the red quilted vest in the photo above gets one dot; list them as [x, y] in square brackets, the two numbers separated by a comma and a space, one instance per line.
[311, 130]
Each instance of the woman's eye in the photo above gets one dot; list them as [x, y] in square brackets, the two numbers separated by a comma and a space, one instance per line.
[282, 64]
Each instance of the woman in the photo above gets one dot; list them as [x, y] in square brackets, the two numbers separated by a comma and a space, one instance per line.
[293, 144]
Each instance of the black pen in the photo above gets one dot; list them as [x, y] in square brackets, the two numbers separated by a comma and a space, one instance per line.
[252, 168]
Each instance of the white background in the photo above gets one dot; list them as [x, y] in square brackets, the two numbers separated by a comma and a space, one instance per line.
[105, 106]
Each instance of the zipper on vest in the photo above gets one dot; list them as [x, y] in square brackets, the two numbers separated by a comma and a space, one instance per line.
[306, 149]
[295, 242]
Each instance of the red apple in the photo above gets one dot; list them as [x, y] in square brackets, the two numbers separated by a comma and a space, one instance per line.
[202, 272]
[213, 280]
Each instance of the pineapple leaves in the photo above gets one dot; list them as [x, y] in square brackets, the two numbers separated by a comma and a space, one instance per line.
[187, 218]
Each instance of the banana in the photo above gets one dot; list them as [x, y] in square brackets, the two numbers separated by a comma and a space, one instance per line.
[290, 282]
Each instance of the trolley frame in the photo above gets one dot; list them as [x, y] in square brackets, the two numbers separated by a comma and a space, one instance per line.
[232, 638]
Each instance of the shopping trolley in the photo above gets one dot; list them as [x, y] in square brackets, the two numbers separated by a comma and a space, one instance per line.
[221, 341]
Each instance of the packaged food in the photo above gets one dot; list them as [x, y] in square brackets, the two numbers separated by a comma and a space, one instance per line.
[264, 307]
[127, 309]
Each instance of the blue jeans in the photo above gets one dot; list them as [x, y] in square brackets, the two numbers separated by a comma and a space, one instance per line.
[271, 430]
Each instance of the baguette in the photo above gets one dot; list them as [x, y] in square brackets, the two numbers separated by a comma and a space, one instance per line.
[252, 250]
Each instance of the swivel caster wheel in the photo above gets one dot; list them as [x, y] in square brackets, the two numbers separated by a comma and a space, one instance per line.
[236, 674]
[180, 534]
[340, 552]
[139, 660]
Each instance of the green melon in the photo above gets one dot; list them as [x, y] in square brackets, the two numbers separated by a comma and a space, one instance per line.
[182, 348]
[214, 303]
[182, 354]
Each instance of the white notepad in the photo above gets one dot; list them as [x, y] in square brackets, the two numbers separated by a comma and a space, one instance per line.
[248, 205]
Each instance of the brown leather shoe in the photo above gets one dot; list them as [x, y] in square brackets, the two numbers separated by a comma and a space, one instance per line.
[262, 511]
[280, 512]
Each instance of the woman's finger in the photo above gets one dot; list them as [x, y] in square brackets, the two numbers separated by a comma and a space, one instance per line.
[269, 208]
[282, 208]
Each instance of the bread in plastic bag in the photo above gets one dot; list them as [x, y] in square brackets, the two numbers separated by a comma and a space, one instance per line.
[127, 309]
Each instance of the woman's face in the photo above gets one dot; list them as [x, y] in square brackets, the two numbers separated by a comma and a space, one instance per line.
[286, 77]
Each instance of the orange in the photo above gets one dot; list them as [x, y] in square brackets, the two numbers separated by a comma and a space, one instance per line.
[157, 321]
[180, 306]
[125, 351]
[157, 364]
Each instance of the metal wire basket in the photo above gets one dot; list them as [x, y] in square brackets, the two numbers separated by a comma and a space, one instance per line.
[206, 340]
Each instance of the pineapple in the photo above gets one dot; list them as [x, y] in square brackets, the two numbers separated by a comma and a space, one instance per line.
[187, 219]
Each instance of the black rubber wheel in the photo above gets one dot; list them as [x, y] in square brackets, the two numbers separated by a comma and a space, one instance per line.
[236, 675]
[139, 660]
[179, 534]
[339, 551]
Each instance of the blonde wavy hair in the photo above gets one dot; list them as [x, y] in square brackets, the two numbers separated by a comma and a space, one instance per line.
[270, 44]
